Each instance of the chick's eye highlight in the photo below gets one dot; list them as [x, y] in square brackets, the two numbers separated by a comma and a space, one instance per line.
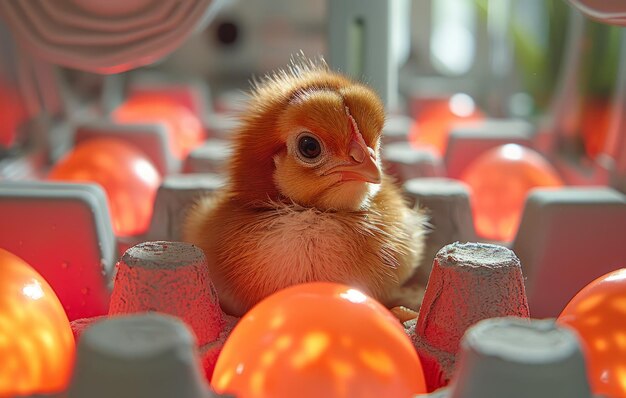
[309, 147]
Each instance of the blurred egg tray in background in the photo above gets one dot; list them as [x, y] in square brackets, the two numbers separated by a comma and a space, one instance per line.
[107, 180]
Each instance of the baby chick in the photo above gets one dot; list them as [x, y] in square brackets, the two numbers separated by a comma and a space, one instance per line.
[306, 198]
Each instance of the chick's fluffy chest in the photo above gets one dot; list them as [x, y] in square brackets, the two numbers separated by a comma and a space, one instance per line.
[289, 244]
[254, 252]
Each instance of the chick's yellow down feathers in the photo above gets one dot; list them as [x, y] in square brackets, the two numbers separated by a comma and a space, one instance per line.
[306, 198]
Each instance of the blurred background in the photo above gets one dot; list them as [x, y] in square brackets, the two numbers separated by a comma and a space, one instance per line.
[508, 56]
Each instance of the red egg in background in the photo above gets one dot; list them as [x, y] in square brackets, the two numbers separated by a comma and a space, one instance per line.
[434, 118]
[36, 341]
[184, 129]
[500, 180]
[127, 176]
[319, 340]
[598, 314]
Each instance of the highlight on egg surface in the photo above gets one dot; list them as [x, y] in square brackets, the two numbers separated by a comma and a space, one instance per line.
[128, 177]
[36, 341]
[500, 180]
[319, 340]
[184, 130]
[598, 314]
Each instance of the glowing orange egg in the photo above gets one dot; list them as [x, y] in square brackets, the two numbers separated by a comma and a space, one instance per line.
[124, 172]
[434, 119]
[500, 180]
[319, 340]
[598, 314]
[36, 341]
[183, 127]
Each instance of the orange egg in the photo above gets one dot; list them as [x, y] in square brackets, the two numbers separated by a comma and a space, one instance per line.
[184, 129]
[124, 172]
[435, 117]
[319, 340]
[598, 314]
[500, 180]
[36, 342]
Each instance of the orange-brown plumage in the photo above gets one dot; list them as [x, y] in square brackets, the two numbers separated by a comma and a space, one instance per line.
[306, 198]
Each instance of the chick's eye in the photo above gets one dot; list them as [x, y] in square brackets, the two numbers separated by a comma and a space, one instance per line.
[309, 147]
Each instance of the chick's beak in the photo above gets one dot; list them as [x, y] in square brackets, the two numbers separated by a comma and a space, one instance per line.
[363, 165]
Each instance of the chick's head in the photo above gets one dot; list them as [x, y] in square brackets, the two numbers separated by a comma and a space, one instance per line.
[312, 136]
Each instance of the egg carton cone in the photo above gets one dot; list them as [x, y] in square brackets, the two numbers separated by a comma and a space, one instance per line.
[174, 197]
[518, 358]
[446, 202]
[469, 282]
[139, 356]
[404, 162]
[210, 157]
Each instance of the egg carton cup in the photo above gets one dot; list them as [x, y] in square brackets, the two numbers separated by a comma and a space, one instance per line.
[174, 197]
[469, 282]
[147, 355]
[518, 358]
[170, 278]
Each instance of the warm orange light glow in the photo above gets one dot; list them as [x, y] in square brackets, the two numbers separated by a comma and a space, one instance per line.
[12, 114]
[183, 127]
[36, 342]
[435, 117]
[124, 172]
[319, 340]
[500, 180]
[594, 125]
[604, 341]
